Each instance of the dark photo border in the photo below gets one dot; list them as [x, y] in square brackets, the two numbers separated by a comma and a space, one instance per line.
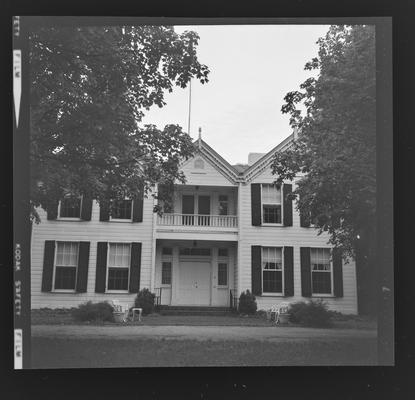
[248, 381]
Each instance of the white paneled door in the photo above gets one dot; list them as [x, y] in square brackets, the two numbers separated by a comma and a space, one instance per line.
[194, 283]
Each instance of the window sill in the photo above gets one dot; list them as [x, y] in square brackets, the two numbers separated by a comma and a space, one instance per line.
[322, 295]
[165, 286]
[117, 292]
[63, 291]
[68, 219]
[120, 220]
[269, 224]
[222, 287]
[272, 294]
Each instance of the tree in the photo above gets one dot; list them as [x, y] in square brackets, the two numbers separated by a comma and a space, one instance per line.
[334, 156]
[90, 87]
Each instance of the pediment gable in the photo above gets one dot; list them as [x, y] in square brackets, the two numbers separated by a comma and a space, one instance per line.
[207, 167]
[201, 170]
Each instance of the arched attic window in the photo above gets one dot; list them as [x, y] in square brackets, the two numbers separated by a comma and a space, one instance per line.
[199, 164]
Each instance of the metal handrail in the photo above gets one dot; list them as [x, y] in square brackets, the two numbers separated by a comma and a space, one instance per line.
[233, 300]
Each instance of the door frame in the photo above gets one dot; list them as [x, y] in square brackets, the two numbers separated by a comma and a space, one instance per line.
[176, 281]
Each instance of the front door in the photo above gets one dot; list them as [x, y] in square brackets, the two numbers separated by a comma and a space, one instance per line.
[188, 208]
[204, 210]
[194, 283]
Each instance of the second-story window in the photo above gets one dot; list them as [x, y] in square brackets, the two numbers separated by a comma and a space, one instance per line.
[70, 207]
[271, 204]
[121, 209]
[223, 205]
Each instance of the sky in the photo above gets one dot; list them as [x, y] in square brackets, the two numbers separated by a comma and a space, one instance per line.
[252, 68]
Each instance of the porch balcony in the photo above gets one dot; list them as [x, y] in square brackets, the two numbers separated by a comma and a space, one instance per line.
[199, 220]
[200, 213]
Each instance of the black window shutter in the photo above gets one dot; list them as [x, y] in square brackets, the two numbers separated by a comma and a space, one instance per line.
[104, 211]
[337, 274]
[256, 270]
[135, 267]
[288, 271]
[52, 209]
[86, 210]
[138, 204]
[287, 189]
[83, 263]
[304, 220]
[48, 261]
[101, 270]
[305, 271]
[256, 204]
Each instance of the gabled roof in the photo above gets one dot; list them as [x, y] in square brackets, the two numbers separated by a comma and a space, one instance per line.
[240, 168]
[257, 167]
[239, 172]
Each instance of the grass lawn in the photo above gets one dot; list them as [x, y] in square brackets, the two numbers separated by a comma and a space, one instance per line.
[83, 351]
[63, 317]
[101, 353]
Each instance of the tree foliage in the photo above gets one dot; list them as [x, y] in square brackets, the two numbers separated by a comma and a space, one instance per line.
[90, 87]
[334, 156]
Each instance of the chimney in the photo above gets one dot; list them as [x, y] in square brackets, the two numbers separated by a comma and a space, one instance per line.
[254, 157]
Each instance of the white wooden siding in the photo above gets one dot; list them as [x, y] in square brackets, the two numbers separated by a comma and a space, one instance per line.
[280, 236]
[210, 175]
[145, 232]
[91, 231]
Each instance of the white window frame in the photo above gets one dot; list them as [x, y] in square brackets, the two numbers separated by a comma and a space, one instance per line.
[54, 268]
[108, 267]
[225, 261]
[271, 204]
[331, 294]
[123, 219]
[70, 218]
[166, 259]
[282, 271]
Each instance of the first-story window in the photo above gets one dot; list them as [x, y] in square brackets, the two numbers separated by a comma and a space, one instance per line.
[66, 265]
[121, 209]
[271, 204]
[222, 274]
[272, 270]
[70, 207]
[320, 271]
[118, 266]
[166, 273]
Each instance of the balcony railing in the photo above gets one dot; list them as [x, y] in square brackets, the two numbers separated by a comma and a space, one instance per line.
[216, 221]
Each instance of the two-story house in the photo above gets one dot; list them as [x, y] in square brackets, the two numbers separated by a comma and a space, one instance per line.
[230, 229]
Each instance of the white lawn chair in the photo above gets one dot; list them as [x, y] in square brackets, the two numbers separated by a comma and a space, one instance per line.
[120, 307]
[281, 308]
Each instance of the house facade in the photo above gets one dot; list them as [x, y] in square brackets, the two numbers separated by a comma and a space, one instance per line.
[230, 229]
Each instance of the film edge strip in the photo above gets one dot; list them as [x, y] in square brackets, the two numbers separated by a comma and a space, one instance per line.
[21, 224]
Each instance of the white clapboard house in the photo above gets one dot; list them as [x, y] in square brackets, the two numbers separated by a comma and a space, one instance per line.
[230, 229]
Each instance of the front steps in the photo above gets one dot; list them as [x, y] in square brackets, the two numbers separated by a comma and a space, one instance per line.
[195, 310]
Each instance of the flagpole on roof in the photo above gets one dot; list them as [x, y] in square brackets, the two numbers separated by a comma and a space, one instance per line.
[190, 105]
